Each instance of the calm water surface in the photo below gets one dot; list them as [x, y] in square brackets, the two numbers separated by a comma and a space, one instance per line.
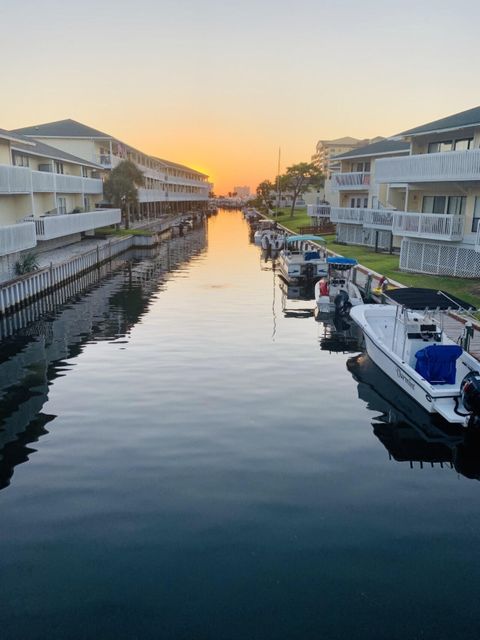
[181, 460]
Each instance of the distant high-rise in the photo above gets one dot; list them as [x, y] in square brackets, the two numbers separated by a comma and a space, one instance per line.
[325, 151]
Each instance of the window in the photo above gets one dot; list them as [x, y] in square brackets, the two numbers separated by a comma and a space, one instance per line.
[463, 144]
[58, 167]
[434, 204]
[61, 205]
[19, 160]
[476, 214]
[85, 172]
[456, 205]
[440, 147]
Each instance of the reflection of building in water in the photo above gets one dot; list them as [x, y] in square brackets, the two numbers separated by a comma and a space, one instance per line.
[407, 431]
[34, 355]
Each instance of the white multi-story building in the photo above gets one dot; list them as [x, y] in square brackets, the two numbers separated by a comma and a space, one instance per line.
[436, 191]
[169, 186]
[358, 204]
[327, 150]
[47, 198]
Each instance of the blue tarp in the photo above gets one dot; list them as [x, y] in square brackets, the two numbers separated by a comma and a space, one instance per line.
[341, 260]
[437, 363]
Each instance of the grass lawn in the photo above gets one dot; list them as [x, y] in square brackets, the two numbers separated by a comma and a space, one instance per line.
[387, 264]
[107, 231]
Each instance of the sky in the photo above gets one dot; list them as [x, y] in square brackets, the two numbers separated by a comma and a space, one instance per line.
[222, 85]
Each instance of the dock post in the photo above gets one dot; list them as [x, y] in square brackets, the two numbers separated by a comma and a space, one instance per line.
[368, 287]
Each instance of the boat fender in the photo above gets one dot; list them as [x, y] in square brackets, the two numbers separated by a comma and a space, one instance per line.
[470, 393]
[323, 287]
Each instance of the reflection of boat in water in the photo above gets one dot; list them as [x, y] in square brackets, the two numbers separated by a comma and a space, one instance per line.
[409, 433]
[339, 335]
[292, 294]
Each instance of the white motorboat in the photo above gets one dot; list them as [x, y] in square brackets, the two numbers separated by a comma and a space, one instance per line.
[299, 262]
[337, 292]
[406, 340]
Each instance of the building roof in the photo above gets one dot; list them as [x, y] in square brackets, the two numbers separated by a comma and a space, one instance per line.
[468, 118]
[180, 166]
[34, 147]
[62, 129]
[12, 137]
[382, 147]
[72, 129]
[341, 141]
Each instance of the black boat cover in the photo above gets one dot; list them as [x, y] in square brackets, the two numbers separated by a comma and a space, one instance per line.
[418, 298]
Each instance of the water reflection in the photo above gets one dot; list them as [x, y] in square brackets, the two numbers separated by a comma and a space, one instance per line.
[408, 432]
[104, 304]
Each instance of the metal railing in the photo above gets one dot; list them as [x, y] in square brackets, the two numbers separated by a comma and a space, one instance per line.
[428, 225]
[17, 237]
[56, 226]
[351, 181]
[318, 210]
[430, 167]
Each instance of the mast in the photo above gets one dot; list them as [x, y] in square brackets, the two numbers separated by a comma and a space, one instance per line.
[278, 182]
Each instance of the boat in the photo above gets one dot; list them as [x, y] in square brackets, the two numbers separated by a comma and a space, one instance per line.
[337, 292]
[267, 231]
[407, 341]
[408, 433]
[299, 262]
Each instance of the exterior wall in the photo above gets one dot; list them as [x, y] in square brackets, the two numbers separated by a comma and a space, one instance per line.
[5, 157]
[80, 148]
[14, 208]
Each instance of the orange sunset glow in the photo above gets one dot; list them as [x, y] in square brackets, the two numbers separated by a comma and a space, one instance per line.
[221, 87]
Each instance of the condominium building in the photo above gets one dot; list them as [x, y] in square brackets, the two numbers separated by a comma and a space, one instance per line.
[48, 197]
[169, 186]
[359, 204]
[326, 150]
[436, 191]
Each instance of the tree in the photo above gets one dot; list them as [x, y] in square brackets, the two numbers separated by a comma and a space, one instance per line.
[264, 193]
[299, 178]
[121, 187]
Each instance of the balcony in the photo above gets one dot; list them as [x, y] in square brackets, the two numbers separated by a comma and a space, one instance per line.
[17, 237]
[318, 210]
[351, 181]
[51, 227]
[430, 167]
[347, 215]
[24, 180]
[379, 219]
[433, 226]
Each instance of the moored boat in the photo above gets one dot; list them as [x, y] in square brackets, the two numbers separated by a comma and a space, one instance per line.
[300, 262]
[337, 292]
[406, 340]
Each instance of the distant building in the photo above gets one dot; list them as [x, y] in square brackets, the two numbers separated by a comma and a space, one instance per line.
[242, 192]
[325, 151]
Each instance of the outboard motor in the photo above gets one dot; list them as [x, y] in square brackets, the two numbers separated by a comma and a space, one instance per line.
[470, 392]
[342, 303]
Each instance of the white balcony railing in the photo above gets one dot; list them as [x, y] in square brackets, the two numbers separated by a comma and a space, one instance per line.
[17, 237]
[430, 167]
[51, 227]
[351, 181]
[379, 219]
[318, 210]
[347, 215]
[25, 180]
[428, 225]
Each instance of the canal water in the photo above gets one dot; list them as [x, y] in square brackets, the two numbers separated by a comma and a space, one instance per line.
[185, 453]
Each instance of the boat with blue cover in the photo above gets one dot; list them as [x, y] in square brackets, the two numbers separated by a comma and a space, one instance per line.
[407, 341]
[337, 291]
